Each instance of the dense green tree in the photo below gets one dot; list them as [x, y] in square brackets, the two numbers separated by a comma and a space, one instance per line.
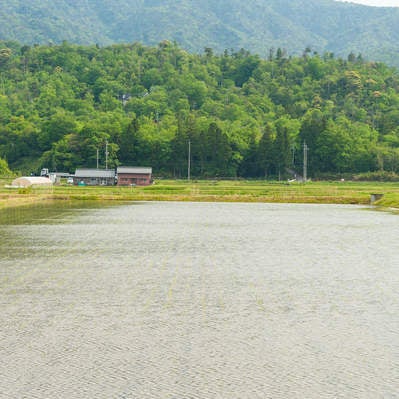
[250, 166]
[4, 169]
[217, 151]
[54, 128]
[266, 154]
[129, 143]
[313, 125]
[180, 146]
[5, 54]
[62, 105]
[281, 149]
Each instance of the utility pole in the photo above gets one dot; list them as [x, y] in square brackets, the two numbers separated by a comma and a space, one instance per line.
[305, 161]
[98, 155]
[293, 155]
[106, 154]
[189, 160]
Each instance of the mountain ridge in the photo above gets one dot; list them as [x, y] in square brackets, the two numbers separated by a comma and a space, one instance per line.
[256, 25]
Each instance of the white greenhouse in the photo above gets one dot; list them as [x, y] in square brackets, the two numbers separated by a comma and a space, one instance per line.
[28, 181]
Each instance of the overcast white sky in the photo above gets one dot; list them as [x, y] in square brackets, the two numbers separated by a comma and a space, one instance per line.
[377, 3]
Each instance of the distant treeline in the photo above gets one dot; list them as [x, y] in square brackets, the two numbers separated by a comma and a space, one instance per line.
[256, 25]
[240, 115]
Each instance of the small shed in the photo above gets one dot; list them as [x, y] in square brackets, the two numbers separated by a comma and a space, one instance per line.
[134, 176]
[56, 177]
[28, 181]
[94, 177]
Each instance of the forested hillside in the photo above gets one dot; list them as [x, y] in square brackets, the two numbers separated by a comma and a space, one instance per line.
[243, 116]
[256, 25]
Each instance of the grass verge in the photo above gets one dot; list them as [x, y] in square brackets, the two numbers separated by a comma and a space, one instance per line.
[222, 191]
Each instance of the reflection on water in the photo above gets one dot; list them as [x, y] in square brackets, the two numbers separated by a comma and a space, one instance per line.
[184, 300]
[46, 212]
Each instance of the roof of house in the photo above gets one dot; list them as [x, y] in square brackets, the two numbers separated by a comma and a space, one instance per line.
[134, 169]
[95, 173]
[26, 181]
[60, 174]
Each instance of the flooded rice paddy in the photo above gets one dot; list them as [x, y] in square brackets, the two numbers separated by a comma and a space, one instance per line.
[199, 301]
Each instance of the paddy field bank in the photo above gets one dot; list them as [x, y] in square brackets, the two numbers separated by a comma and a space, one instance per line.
[332, 192]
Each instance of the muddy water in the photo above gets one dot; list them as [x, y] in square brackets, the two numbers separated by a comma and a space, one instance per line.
[188, 300]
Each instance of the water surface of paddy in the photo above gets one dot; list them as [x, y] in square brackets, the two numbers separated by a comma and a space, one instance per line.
[200, 300]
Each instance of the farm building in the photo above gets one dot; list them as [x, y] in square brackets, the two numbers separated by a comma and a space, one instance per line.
[56, 177]
[94, 177]
[28, 181]
[134, 176]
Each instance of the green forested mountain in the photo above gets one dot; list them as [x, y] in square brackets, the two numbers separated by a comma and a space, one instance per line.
[244, 116]
[256, 25]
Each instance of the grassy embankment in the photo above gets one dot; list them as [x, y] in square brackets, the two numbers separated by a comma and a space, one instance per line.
[227, 191]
